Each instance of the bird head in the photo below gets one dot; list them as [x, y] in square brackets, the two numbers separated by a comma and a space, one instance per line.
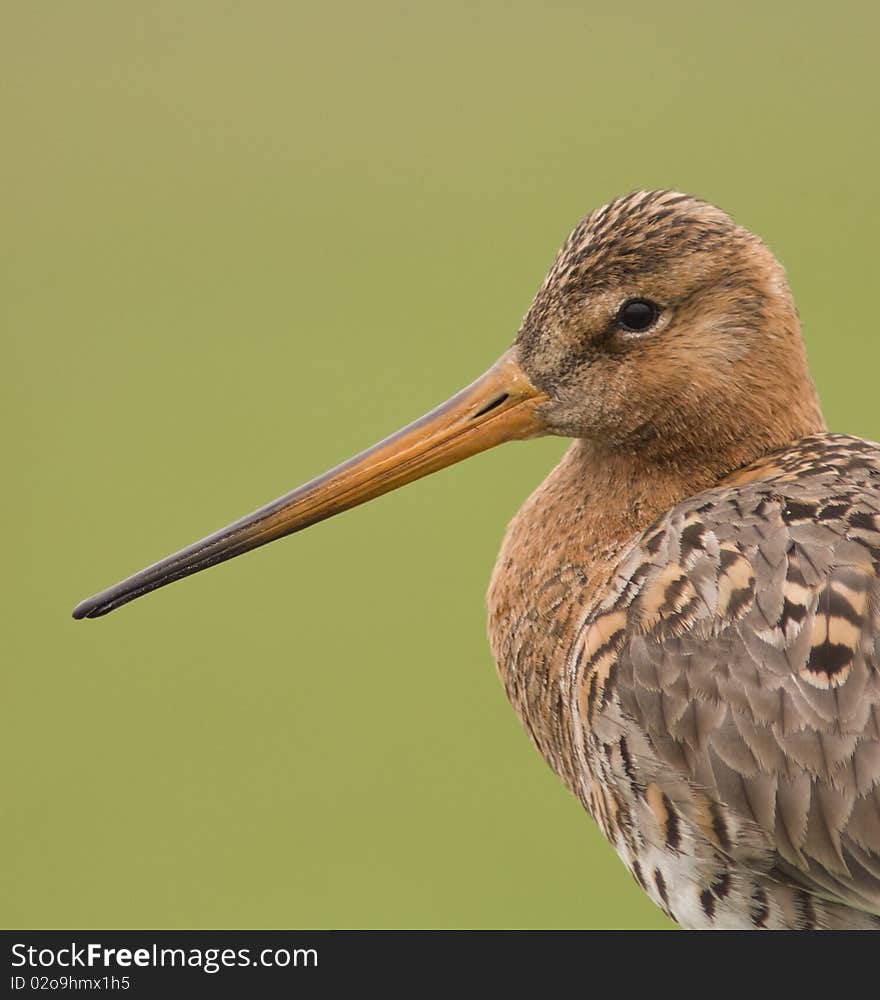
[663, 330]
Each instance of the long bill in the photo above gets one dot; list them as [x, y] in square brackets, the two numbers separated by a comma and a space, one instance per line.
[501, 405]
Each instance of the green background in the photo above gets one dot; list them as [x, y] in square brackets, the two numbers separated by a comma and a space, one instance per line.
[242, 241]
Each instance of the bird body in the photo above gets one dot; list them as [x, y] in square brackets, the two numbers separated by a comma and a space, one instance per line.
[685, 614]
[707, 686]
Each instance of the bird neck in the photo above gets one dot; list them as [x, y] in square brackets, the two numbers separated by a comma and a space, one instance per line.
[557, 554]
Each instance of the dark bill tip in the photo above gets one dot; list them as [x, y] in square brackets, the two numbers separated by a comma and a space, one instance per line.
[92, 607]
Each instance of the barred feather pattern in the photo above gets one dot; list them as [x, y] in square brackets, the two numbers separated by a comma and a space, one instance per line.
[726, 696]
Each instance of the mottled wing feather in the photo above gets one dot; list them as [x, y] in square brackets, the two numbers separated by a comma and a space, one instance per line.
[742, 641]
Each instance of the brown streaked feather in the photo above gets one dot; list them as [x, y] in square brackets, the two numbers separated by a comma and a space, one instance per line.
[764, 693]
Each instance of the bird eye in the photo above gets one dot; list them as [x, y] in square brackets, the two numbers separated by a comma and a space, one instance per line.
[638, 315]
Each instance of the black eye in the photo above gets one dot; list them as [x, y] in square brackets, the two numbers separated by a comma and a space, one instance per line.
[638, 315]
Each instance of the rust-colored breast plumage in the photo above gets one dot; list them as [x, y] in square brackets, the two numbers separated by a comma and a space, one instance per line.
[725, 688]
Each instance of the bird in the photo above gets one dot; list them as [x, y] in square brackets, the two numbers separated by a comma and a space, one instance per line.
[685, 614]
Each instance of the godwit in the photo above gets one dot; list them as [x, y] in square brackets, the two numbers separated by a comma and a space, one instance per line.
[686, 613]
